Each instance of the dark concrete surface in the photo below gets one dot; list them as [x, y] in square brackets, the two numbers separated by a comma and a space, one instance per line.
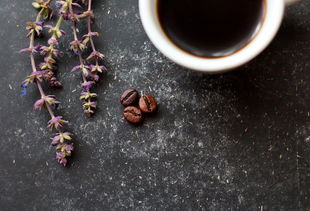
[235, 141]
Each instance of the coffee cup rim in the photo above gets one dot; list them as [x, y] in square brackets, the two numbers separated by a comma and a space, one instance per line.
[274, 11]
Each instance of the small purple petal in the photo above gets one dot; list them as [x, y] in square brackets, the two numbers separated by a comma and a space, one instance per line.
[38, 104]
[39, 23]
[60, 155]
[55, 119]
[94, 33]
[63, 161]
[93, 104]
[37, 48]
[76, 4]
[69, 147]
[25, 50]
[103, 67]
[63, 32]
[94, 76]
[87, 85]
[75, 68]
[38, 73]
[55, 140]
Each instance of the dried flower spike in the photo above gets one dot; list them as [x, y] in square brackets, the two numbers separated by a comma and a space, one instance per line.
[62, 140]
[90, 72]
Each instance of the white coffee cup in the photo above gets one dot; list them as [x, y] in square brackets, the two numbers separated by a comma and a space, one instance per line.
[270, 26]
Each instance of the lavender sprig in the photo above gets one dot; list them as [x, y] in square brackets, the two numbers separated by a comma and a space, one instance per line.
[90, 73]
[62, 140]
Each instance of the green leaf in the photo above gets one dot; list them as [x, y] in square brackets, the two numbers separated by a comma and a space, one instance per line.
[36, 5]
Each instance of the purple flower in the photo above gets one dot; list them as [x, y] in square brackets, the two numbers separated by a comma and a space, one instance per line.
[45, 50]
[97, 67]
[51, 100]
[89, 112]
[77, 46]
[61, 158]
[84, 68]
[90, 105]
[49, 60]
[60, 155]
[56, 122]
[61, 138]
[86, 38]
[95, 54]
[93, 104]
[38, 73]
[33, 76]
[87, 95]
[24, 90]
[93, 76]
[55, 31]
[34, 27]
[90, 34]
[63, 162]
[56, 52]
[64, 150]
[39, 104]
[35, 49]
[87, 85]
[39, 23]
[52, 42]
[69, 147]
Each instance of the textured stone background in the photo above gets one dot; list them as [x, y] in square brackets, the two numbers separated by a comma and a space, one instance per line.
[235, 141]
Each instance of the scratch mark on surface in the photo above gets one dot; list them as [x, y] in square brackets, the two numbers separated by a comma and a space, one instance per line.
[298, 173]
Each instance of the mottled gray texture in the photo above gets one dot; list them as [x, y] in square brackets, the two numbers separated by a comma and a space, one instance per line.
[238, 141]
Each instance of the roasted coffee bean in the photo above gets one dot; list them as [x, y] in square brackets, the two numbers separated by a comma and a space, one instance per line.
[129, 97]
[147, 104]
[133, 114]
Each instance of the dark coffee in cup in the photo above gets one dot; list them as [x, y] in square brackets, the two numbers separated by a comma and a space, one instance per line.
[211, 28]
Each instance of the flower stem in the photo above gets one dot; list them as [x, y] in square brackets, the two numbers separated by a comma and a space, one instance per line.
[82, 63]
[33, 63]
[89, 25]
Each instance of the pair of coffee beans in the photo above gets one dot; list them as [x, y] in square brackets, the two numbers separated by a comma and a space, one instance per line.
[132, 113]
